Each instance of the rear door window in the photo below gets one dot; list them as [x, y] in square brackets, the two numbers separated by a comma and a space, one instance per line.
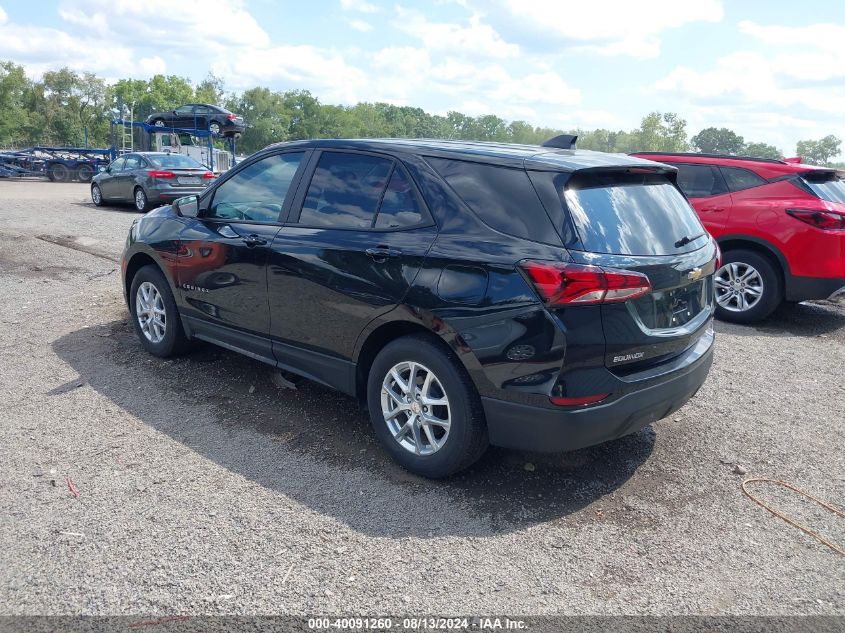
[400, 206]
[739, 179]
[502, 197]
[700, 181]
[346, 190]
[632, 214]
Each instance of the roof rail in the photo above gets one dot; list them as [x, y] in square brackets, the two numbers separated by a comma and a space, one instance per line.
[703, 155]
[562, 141]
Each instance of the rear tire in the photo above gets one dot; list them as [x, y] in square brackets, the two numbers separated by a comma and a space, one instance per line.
[58, 173]
[173, 340]
[158, 123]
[439, 452]
[84, 173]
[748, 287]
[214, 127]
[140, 199]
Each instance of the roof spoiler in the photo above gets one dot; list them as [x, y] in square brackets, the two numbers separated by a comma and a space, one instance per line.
[563, 141]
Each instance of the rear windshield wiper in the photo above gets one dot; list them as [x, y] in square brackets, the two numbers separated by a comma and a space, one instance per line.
[686, 240]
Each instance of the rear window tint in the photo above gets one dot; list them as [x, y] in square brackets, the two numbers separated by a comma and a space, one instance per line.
[739, 179]
[631, 214]
[503, 198]
[827, 188]
[174, 161]
[700, 181]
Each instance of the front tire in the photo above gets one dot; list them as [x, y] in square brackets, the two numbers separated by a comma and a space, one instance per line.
[140, 198]
[748, 287]
[425, 409]
[96, 196]
[154, 314]
[214, 127]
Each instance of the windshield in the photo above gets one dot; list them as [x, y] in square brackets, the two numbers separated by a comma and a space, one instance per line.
[174, 161]
[629, 214]
[830, 189]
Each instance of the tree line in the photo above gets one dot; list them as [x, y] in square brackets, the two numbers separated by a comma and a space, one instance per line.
[67, 108]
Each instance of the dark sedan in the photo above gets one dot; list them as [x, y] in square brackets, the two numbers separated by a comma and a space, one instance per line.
[148, 179]
[200, 116]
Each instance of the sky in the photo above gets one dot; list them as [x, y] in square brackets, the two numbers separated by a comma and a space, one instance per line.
[772, 71]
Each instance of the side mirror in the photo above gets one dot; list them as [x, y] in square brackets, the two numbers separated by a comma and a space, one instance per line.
[103, 169]
[187, 206]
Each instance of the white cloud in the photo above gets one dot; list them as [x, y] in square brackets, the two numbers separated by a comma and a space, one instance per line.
[360, 25]
[611, 27]
[476, 37]
[358, 5]
[184, 24]
[4, 17]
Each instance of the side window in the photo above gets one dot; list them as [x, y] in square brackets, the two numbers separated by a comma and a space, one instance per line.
[502, 197]
[345, 191]
[700, 181]
[202, 110]
[132, 162]
[186, 109]
[118, 164]
[257, 192]
[739, 179]
[399, 205]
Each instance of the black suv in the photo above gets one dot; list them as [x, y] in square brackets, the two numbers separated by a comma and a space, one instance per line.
[469, 293]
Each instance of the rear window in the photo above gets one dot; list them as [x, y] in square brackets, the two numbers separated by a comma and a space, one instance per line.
[827, 187]
[632, 214]
[503, 198]
[174, 161]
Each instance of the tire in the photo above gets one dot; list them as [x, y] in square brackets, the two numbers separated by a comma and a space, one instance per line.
[759, 275]
[466, 438]
[172, 341]
[139, 197]
[58, 173]
[96, 196]
[84, 173]
[214, 127]
[158, 123]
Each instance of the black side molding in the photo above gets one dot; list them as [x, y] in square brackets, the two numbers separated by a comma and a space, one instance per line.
[562, 141]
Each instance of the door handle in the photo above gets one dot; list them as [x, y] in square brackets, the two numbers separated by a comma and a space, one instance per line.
[254, 240]
[714, 209]
[382, 253]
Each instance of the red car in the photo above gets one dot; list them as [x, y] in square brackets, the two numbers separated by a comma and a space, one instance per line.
[780, 224]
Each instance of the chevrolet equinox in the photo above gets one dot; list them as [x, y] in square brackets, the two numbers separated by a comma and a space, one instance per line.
[531, 297]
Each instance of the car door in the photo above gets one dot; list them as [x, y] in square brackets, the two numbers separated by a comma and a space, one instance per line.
[183, 117]
[124, 182]
[222, 268]
[358, 234]
[107, 183]
[708, 193]
[201, 114]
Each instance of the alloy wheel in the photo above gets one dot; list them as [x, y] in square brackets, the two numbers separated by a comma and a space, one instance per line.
[96, 194]
[149, 308]
[739, 287]
[415, 408]
[140, 200]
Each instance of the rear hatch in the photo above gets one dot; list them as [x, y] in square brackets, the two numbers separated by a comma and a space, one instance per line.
[636, 219]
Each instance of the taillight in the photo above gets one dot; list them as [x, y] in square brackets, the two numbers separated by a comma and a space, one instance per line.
[159, 173]
[825, 220]
[579, 284]
[208, 175]
[231, 117]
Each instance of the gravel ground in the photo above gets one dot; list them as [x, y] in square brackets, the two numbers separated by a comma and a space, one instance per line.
[205, 489]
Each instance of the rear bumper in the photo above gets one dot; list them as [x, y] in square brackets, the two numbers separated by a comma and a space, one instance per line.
[807, 288]
[171, 194]
[645, 400]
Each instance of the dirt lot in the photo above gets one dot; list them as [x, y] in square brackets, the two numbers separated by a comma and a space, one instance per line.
[205, 489]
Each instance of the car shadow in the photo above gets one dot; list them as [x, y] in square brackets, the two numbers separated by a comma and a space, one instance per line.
[113, 207]
[504, 491]
[808, 319]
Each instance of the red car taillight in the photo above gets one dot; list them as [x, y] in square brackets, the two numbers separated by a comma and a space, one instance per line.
[208, 175]
[159, 173]
[578, 284]
[577, 402]
[825, 220]
[231, 117]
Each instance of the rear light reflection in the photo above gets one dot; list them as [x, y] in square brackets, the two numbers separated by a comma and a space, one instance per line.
[208, 175]
[577, 402]
[160, 173]
[578, 284]
[824, 220]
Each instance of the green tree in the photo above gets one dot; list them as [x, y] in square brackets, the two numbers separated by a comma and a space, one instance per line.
[210, 90]
[15, 90]
[821, 151]
[658, 132]
[265, 115]
[721, 140]
[762, 150]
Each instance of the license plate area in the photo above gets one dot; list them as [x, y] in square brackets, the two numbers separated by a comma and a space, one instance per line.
[188, 180]
[666, 309]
